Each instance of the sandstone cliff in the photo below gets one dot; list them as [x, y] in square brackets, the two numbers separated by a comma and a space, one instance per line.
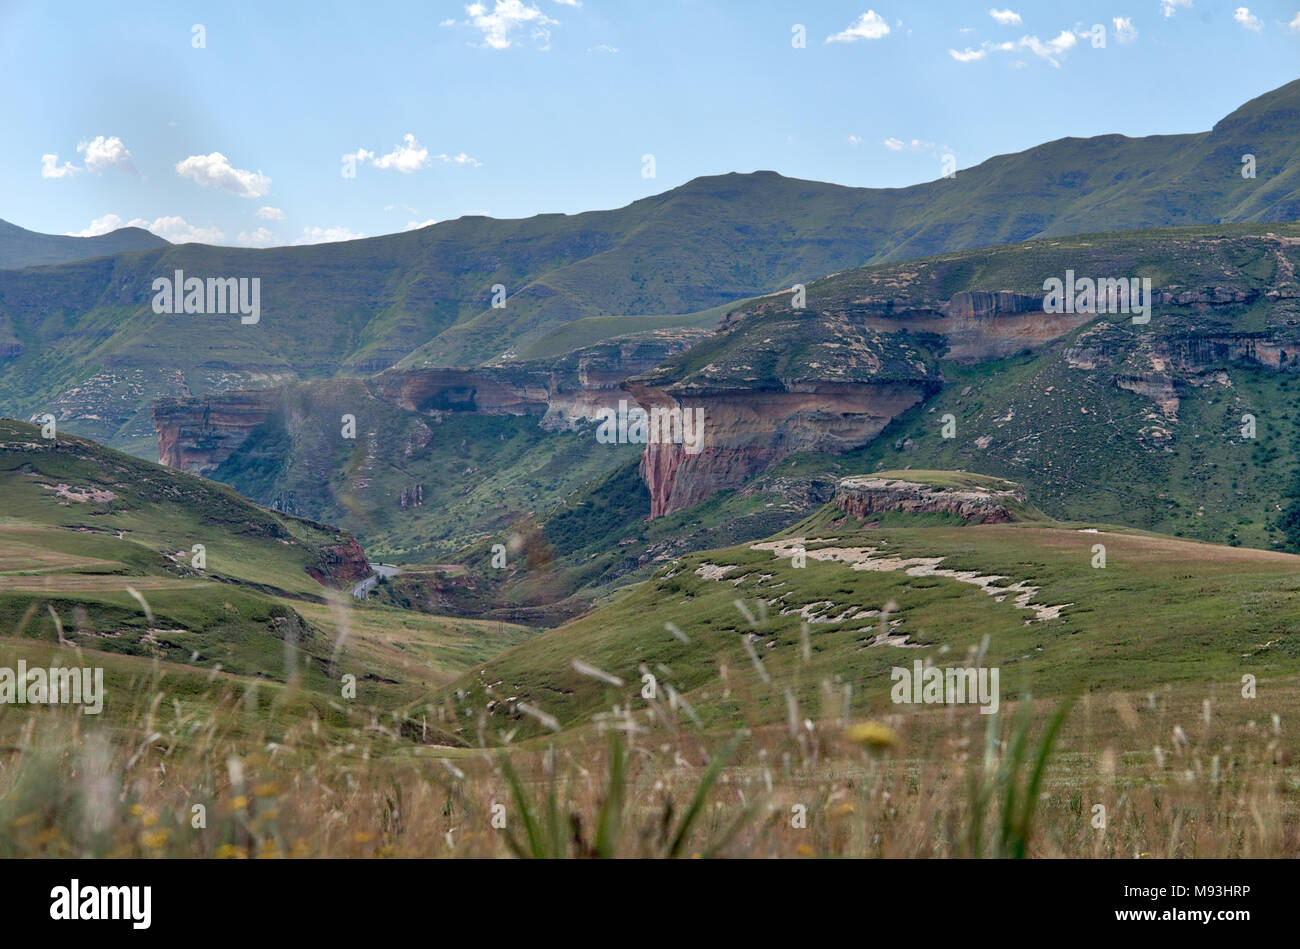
[196, 435]
[590, 379]
[747, 431]
[976, 325]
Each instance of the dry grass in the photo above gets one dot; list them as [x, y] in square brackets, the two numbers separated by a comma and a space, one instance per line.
[926, 784]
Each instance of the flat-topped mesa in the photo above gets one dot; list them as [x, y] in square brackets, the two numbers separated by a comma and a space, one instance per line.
[866, 495]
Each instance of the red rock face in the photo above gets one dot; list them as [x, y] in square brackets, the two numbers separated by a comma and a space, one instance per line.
[341, 565]
[746, 432]
[196, 435]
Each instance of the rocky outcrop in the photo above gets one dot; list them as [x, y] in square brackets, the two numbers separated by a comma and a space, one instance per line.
[776, 356]
[197, 435]
[975, 325]
[1268, 350]
[862, 497]
[589, 380]
[1158, 387]
[340, 564]
[489, 391]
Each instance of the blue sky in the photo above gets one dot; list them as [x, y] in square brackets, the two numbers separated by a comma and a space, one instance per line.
[518, 107]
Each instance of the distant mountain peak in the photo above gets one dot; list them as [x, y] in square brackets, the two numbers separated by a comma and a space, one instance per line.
[20, 247]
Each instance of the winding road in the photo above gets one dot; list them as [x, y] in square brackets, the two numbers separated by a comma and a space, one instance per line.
[362, 589]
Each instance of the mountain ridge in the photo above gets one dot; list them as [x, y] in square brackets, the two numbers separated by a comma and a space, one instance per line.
[20, 247]
[80, 339]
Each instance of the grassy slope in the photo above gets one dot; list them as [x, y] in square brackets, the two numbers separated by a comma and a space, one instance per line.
[1162, 611]
[593, 329]
[254, 614]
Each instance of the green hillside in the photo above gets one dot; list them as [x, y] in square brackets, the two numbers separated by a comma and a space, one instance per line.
[1133, 424]
[20, 247]
[91, 349]
[1025, 596]
[97, 557]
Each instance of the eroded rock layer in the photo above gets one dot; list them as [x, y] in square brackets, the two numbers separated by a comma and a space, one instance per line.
[862, 497]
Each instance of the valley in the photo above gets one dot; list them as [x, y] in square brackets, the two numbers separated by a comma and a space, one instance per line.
[415, 551]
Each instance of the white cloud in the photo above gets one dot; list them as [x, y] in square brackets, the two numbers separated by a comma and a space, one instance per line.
[1248, 19]
[173, 228]
[100, 225]
[179, 231]
[916, 145]
[1169, 7]
[569, 3]
[416, 225]
[50, 167]
[408, 157]
[1294, 25]
[102, 152]
[1049, 50]
[259, 238]
[870, 26]
[270, 214]
[603, 48]
[1125, 31]
[506, 17]
[1006, 17]
[327, 235]
[215, 171]
[461, 159]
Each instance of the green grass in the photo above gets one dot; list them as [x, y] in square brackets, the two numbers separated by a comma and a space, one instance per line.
[1161, 611]
[112, 579]
[595, 329]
